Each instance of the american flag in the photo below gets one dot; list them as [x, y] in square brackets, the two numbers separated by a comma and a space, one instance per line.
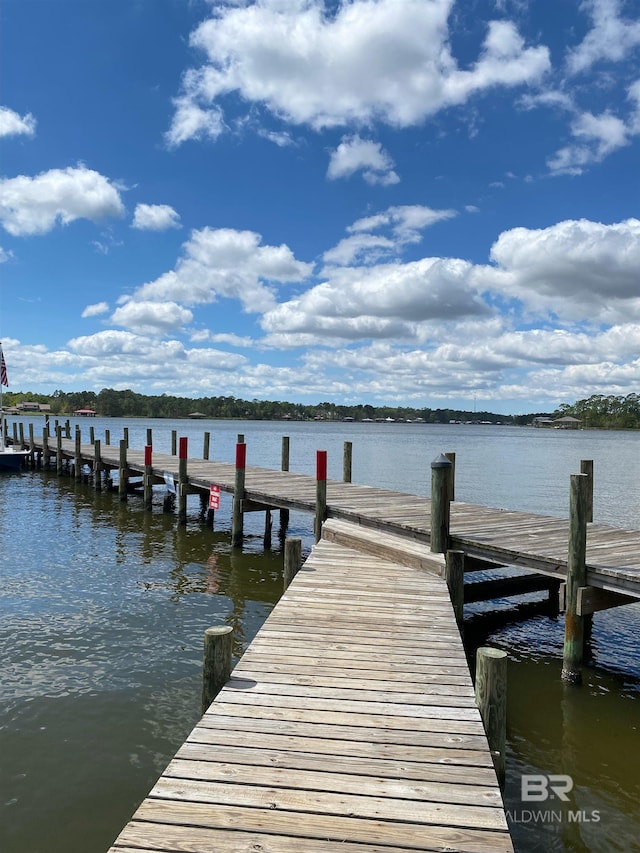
[3, 370]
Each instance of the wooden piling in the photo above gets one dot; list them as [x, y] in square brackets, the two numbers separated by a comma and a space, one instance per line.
[440, 504]
[217, 661]
[97, 465]
[454, 575]
[284, 466]
[21, 430]
[452, 485]
[205, 447]
[77, 455]
[148, 477]
[491, 698]
[122, 471]
[321, 492]
[183, 480]
[576, 578]
[58, 450]
[586, 467]
[237, 521]
[347, 458]
[67, 429]
[174, 442]
[92, 435]
[268, 524]
[292, 559]
[107, 437]
[149, 436]
[46, 453]
[125, 433]
[32, 451]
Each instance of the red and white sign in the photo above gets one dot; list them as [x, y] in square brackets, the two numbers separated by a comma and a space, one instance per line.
[214, 497]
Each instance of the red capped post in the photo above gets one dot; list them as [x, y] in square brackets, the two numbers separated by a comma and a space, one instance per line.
[321, 492]
[237, 520]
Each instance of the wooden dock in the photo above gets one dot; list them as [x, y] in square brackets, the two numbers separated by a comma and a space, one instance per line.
[348, 725]
[497, 536]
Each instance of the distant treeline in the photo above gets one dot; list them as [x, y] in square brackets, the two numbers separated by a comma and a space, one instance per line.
[605, 412]
[597, 411]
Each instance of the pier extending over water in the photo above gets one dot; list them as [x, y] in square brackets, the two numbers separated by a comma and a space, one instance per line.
[600, 563]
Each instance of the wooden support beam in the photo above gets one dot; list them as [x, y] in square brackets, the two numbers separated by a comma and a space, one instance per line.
[576, 577]
[491, 697]
[440, 504]
[505, 587]
[237, 520]
[217, 659]
[591, 599]
[292, 559]
[182, 480]
[454, 575]
[321, 492]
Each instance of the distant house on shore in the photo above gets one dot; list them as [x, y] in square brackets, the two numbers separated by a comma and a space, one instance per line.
[30, 406]
[85, 413]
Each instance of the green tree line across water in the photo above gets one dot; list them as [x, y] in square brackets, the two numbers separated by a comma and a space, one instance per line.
[598, 411]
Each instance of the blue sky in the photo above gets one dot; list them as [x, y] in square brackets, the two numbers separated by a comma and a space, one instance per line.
[409, 202]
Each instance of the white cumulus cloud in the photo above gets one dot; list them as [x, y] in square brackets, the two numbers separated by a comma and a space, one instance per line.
[35, 205]
[13, 124]
[155, 217]
[152, 318]
[355, 154]
[361, 62]
[96, 309]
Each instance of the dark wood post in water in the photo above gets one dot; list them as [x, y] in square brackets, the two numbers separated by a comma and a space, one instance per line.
[107, 437]
[440, 504]
[216, 667]
[32, 454]
[58, 450]
[174, 442]
[15, 434]
[97, 465]
[347, 458]
[586, 467]
[205, 446]
[67, 429]
[123, 475]
[77, 456]
[21, 430]
[321, 492]
[46, 454]
[491, 698]
[149, 436]
[454, 575]
[182, 480]
[92, 435]
[125, 433]
[148, 477]
[284, 466]
[292, 559]
[576, 577]
[452, 485]
[237, 522]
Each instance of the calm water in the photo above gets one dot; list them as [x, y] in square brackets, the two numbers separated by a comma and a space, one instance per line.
[104, 606]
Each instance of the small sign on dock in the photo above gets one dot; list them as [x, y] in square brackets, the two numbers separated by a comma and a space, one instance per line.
[214, 496]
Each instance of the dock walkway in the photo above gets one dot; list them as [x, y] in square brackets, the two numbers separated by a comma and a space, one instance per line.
[348, 725]
[500, 536]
